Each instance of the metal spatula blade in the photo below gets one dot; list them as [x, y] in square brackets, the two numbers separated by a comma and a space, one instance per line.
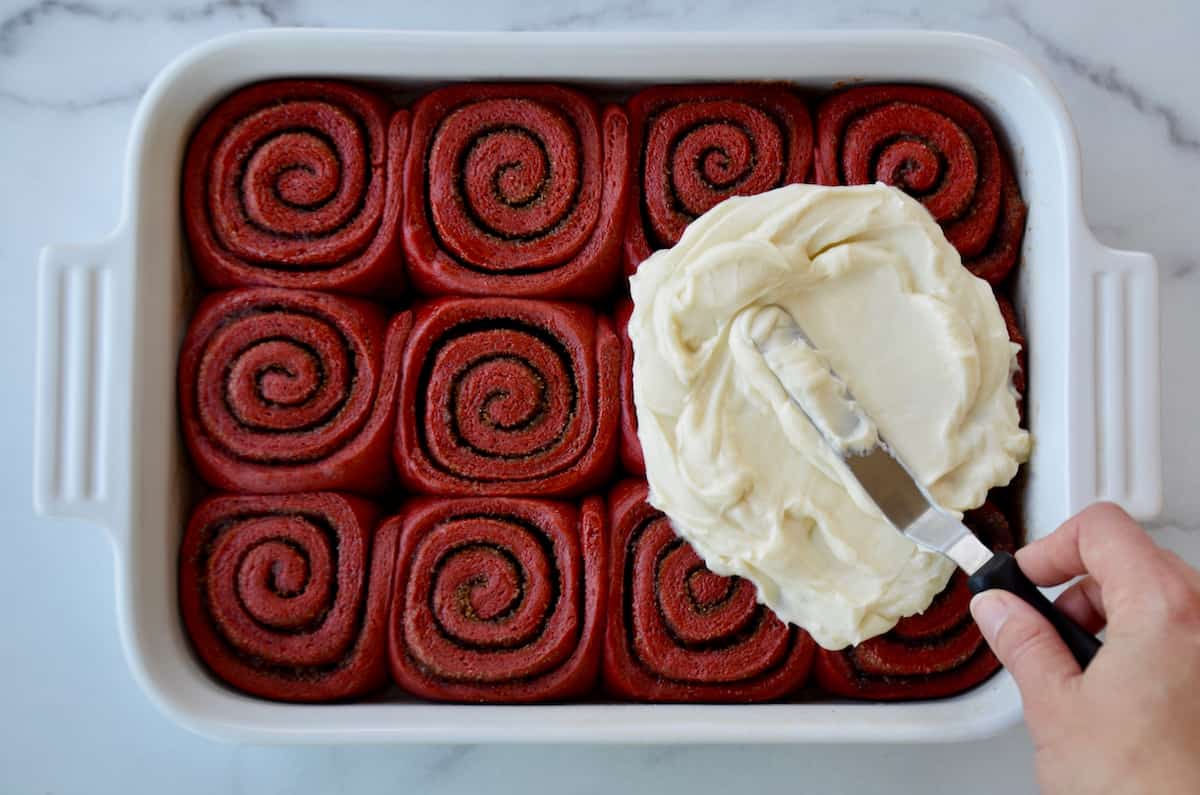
[908, 507]
[911, 510]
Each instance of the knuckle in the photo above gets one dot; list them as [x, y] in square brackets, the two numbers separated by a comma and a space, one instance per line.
[1181, 603]
[1106, 510]
[1165, 604]
[1102, 518]
[1173, 556]
[1183, 569]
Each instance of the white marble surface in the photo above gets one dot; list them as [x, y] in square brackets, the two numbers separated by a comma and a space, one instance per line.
[71, 71]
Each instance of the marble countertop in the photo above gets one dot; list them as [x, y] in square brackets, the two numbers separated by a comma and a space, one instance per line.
[71, 72]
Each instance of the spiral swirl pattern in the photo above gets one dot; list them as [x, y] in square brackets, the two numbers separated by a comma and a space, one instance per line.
[940, 149]
[283, 596]
[293, 183]
[283, 390]
[631, 447]
[515, 190]
[937, 653]
[695, 146]
[498, 599]
[678, 632]
[506, 396]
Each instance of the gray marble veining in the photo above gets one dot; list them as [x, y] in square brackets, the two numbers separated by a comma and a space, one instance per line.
[1108, 78]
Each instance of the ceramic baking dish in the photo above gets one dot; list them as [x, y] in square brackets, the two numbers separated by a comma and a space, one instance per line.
[111, 314]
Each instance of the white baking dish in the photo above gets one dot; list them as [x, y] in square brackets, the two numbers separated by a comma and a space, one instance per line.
[110, 316]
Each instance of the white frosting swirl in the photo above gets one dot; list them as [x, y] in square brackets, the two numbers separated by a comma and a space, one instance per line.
[742, 472]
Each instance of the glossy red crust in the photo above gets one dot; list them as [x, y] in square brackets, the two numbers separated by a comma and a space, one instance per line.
[631, 447]
[285, 597]
[940, 149]
[677, 632]
[937, 653]
[515, 190]
[504, 396]
[1003, 250]
[1009, 312]
[295, 183]
[287, 390]
[694, 146]
[498, 600]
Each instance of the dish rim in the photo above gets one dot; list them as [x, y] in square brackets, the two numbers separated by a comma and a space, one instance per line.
[103, 327]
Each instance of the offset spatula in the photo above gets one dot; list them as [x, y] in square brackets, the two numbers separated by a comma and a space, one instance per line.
[906, 505]
[909, 508]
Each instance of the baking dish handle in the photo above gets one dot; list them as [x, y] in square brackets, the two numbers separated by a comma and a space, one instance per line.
[78, 317]
[1117, 315]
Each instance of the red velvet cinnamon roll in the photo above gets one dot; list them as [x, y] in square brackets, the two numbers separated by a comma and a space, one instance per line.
[1009, 312]
[285, 597]
[937, 147]
[505, 396]
[295, 183]
[694, 146]
[937, 653]
[515, 190]
[287, 390]
[678, 632]
[498, 600]
[631, 447]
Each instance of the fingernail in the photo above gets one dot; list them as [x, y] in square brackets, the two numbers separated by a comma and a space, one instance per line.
[990, 611]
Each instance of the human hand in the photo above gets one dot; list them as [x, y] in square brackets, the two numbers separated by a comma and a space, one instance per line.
[1131, 722]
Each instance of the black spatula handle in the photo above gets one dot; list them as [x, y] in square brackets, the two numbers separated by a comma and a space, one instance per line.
[1003, 572]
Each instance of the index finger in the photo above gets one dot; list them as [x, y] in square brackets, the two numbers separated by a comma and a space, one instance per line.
[1102, 540]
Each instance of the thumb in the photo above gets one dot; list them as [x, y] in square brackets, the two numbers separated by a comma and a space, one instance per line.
[1026, 643]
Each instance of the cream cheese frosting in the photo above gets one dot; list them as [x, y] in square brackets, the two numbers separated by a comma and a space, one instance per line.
[742, 472]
